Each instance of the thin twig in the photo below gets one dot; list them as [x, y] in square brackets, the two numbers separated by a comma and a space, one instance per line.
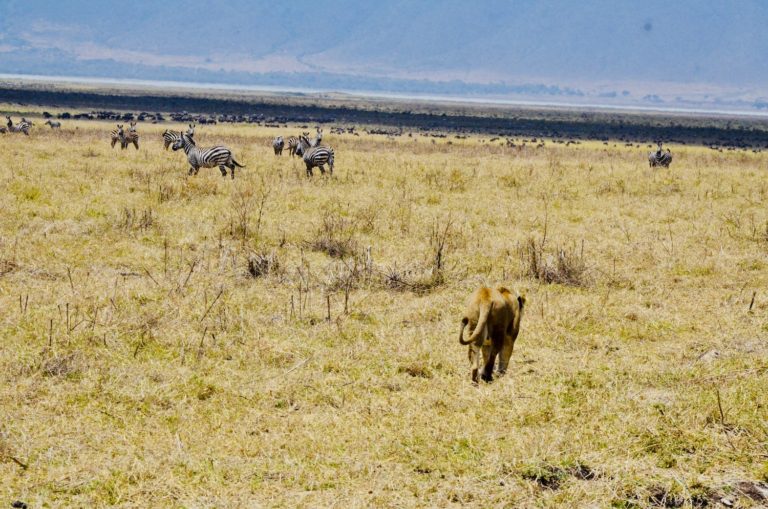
[212, 303]
[726, 428]
[200, 346]
[150, 276]
[191, 269]
[294, 368]
[720, 408]
[19, 462]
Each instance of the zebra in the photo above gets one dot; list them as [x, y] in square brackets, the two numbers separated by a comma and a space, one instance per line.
[315, 156]
[278, 144]
[659, 158]
[312, 143]
[53, 124]
[206, 158]
[293, 144]
[116, 135]
[170, 137]
[21, 127]
[131, 137]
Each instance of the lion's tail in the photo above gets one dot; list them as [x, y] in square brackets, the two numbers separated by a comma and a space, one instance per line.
[482, 321]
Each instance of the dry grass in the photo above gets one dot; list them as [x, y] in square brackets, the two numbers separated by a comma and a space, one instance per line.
[167, 340]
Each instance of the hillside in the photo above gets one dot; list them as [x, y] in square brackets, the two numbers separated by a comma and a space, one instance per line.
[594, 48]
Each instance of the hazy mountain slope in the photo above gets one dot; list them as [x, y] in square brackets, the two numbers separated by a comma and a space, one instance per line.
[688, 41]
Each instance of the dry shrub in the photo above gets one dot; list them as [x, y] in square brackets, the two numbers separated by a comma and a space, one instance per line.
[347, 274]
[166, 192]
[241, 206]
[366, 217]
[546, 476]
[551, 476]
[439, 238]
[417, 279]
[510, 181]
[61, 365]
[335, 236]
[7, 266]
[423, 278]
[195, 188]
[565, 266]
[130, 219]
[610, 186]
[457, 181]
[264, 264]
[416, 370]
[244, 204]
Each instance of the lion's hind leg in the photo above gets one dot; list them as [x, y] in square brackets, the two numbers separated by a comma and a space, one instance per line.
[506, 353]
[491, 349]
[476, 351]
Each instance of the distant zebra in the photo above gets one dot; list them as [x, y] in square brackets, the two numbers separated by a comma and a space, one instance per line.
[206, 157]
[116, 135]
[21, 127]
[659, 158]
[171, 137]
[277, 145]
[315, 156]
[54, 124]
[293, 144]
[131, 137]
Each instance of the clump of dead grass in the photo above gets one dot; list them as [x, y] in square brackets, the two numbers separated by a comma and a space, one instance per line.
[262, 264]
[335, 236]
[131, 219]
[552, 476]
[416, 278]
[563, 265]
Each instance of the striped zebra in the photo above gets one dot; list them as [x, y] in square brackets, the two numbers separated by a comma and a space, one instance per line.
[278, 144]
[53, 124]
[312, 143]
[206, 157]
[131, 137]
[659, 158]
[21, 127]
[171, 137]
[293, 145]
[315, 156]
[116, 135]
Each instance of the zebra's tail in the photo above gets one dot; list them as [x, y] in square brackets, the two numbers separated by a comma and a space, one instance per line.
[330, 161]
[237, 164]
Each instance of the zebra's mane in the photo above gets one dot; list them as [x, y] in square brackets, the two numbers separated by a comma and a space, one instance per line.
[187, 138]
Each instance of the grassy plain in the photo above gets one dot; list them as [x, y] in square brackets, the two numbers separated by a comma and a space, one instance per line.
[142, 363]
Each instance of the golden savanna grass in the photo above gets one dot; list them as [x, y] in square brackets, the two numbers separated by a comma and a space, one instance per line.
[165, 339]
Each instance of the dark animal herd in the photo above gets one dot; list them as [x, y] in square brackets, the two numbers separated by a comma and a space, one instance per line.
[313, 153]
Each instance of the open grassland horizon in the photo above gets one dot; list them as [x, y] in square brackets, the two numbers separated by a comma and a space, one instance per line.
[281, 341]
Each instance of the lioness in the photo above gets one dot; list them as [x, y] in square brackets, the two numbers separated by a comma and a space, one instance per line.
[493, 316]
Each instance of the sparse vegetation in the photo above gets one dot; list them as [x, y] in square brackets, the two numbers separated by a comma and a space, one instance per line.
[290, 342]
